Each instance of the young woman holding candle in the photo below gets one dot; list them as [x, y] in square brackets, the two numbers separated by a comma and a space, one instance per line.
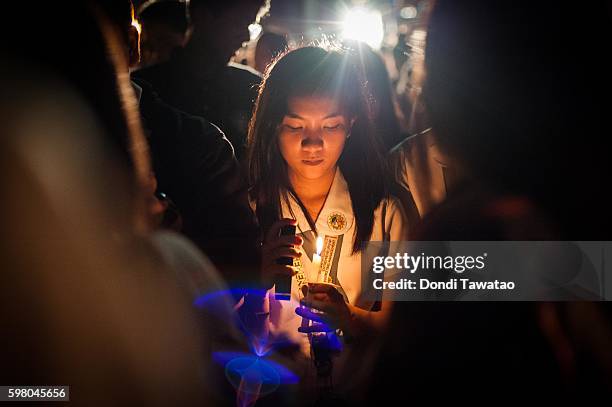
[316, 162]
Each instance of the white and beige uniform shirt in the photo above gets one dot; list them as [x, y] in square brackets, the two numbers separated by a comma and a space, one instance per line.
[336, 225]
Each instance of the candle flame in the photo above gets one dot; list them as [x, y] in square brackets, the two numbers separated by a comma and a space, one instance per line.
[319, 245]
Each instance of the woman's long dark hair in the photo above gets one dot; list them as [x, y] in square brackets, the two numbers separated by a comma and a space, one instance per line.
[316, 71]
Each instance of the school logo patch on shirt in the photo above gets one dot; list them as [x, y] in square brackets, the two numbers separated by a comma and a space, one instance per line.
[336, 221]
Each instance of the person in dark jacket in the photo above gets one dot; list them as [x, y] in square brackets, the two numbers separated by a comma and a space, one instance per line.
[198, 79]
[195, 166]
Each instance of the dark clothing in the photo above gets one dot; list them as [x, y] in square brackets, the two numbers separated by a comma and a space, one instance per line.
[195, 165]
[497, 348]
[440, 349]
[225, 96]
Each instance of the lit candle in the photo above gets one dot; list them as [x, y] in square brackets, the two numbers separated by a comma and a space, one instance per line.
[316, 258]
[316, 264]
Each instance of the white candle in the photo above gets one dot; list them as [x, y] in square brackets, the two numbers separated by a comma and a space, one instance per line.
[316, 258]
[316, 262]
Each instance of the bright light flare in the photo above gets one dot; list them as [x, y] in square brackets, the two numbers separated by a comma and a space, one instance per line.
[364, 25]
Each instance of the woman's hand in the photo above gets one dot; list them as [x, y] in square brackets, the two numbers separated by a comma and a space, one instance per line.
[336, 313]
[275, 247]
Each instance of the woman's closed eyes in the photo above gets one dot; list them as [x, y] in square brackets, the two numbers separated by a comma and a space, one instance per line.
[327, 127]
[333, 127]
[293, 128]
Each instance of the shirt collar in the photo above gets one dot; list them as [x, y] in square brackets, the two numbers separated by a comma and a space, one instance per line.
[336, 216]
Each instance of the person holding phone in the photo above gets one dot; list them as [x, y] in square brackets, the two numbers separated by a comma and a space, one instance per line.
[315, 162]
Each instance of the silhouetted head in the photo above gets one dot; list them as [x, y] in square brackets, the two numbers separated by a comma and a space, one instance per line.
[120, 15]
[269, 46]
[513, 90]
[165, 24]
[220, 27]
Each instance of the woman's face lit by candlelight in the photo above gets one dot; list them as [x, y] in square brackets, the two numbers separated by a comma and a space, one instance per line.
[311, 136]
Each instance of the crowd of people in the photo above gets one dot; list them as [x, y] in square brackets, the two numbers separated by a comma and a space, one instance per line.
[137, 187]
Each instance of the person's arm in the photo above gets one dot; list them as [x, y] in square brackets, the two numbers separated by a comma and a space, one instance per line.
[254, 306]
